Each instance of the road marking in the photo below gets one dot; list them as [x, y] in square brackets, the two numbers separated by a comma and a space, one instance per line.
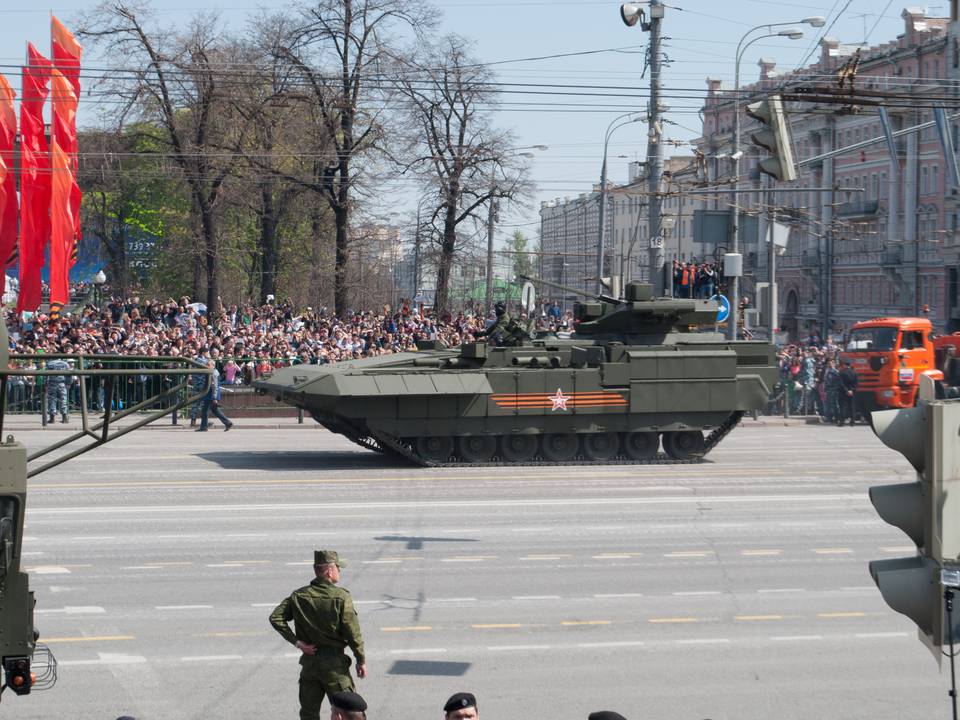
[273, 604]
[224, 565]
[495, 626]
[90, 638]
[143, 567]
[880, 635]
[674, 620]
[545, 557]
[177, 537]
[841, 615]
[210, 658]
[617, 556]
[833, 551]
[899, 548]
[704, 641]
[804, 523]
[692, 593]
[95, 537]
[613, 644]
[618, 595]
[860, 588]
[760, 553]
[407, 628]
[463, 599]
[781, 590]
[170, 564]
[795, 638]
[469, 558]
[749, 618]
[230, 634]
[380, 562]
[536, 597]
[688, 553]
[248, 562]
[48, 570]
[501, 648]
[863, 522]
[298, 563]
[419, 651]
[72, 610]
[183, 607]
[574, 623]
[726, 525]
[108, 659]
[246, 535]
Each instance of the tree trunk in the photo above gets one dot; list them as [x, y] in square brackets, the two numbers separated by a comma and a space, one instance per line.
[448, 246]
[315, 292]
[268, 242]
[341, 216]
[208, 226]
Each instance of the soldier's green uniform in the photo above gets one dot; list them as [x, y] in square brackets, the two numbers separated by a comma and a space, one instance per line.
[323, 616]
[498, 331]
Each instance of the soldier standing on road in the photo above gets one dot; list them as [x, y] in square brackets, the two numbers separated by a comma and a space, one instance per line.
[325, 623]
[848, 390]
[832, 389]
[461, 706]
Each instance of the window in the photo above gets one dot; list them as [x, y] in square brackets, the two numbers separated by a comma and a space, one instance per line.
[924, 180]
[934, 179]
[911, 340]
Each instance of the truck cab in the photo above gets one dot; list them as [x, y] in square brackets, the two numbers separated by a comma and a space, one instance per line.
[889, 356]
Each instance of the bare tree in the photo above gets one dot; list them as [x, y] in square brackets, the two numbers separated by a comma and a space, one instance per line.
[176, 86]
[465, 160]
[338, 51]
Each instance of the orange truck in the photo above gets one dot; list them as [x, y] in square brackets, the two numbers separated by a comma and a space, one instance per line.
[891, 354]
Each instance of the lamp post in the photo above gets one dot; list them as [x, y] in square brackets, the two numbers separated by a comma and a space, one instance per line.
[793, 34]
[98, 280]
[603, 193]
[491, 216]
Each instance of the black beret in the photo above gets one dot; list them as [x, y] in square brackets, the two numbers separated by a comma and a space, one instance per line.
[349, 701]
[605, 715]
[459, 701]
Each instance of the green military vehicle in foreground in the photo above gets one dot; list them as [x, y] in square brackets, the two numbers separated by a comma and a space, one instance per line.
[637, 375]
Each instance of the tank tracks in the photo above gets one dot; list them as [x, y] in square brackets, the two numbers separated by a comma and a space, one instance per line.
[391, 444]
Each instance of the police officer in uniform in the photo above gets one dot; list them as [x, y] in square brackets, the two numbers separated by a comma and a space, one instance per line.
[848, 392]
[57, 391]
[325, 623]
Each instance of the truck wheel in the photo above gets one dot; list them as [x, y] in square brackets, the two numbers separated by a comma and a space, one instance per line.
[518, 448]
[601, 446]
[641, 445]
[560, 447]
[434, 448]
[476, 448]
[683, 445]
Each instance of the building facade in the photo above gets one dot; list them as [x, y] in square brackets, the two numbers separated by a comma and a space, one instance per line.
[881, 239]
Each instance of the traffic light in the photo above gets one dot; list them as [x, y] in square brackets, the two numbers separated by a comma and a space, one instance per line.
[927, 510]
[775, 138]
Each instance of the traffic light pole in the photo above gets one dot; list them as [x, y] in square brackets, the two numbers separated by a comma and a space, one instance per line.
[655, 152]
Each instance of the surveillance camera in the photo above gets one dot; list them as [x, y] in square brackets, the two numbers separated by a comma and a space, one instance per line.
[737, 155]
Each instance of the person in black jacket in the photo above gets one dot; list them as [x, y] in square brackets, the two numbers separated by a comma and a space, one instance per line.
[848, 391]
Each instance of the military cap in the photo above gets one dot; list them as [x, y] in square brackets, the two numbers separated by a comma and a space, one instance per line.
[605, 715]
[459, 701]
[327, 557]
[349, 701]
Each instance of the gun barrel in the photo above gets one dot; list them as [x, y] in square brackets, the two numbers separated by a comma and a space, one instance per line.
[575, 291]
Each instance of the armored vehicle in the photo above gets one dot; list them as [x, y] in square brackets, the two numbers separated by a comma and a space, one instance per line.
[635, 376]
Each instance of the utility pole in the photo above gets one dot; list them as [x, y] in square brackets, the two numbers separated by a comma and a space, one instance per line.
[655, 151]
[416, 257]
[491, 215]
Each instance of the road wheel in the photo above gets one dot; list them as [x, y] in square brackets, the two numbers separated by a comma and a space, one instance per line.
[518, 448]
[601, 446]
[559, 447]
[434, 448]
[683, 445]
[641, 445]
[476, 448]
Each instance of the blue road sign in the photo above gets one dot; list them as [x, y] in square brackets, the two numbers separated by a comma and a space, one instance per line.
[724, 312]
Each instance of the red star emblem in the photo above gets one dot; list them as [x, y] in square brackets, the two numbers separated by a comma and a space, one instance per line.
[559, 400]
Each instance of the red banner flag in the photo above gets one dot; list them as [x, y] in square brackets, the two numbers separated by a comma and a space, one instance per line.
[66, 58]
[34, 179]
[8, 187]
[61, 224]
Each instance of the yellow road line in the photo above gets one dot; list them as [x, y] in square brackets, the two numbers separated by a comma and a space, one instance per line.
[494, 626]
[545, 557]
[674, 620]
[758, 553]
[469, 558]
[833, 551]
[758, 617]
[899, 549]
[689, 553]
[842, 615]
[407, 628]
[92, 638]
[571, 623]
[617, 556]
[171, 564]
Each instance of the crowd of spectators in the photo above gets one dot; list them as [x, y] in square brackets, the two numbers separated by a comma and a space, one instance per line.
[809, 379]
[695, 280]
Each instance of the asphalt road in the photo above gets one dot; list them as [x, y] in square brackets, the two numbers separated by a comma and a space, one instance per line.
[736, 588]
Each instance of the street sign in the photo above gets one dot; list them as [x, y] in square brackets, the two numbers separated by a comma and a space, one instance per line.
[724, 311]
[656, 242]
[528, 297]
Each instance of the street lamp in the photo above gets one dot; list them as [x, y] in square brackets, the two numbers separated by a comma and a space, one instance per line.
[603, 193]
[791, 33]
[488, 299]
[98, 280]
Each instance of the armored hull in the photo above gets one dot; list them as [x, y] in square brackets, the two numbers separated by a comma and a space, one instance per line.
[633, 385]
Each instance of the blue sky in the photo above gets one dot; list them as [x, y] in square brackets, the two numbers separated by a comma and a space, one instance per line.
[701, 37]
